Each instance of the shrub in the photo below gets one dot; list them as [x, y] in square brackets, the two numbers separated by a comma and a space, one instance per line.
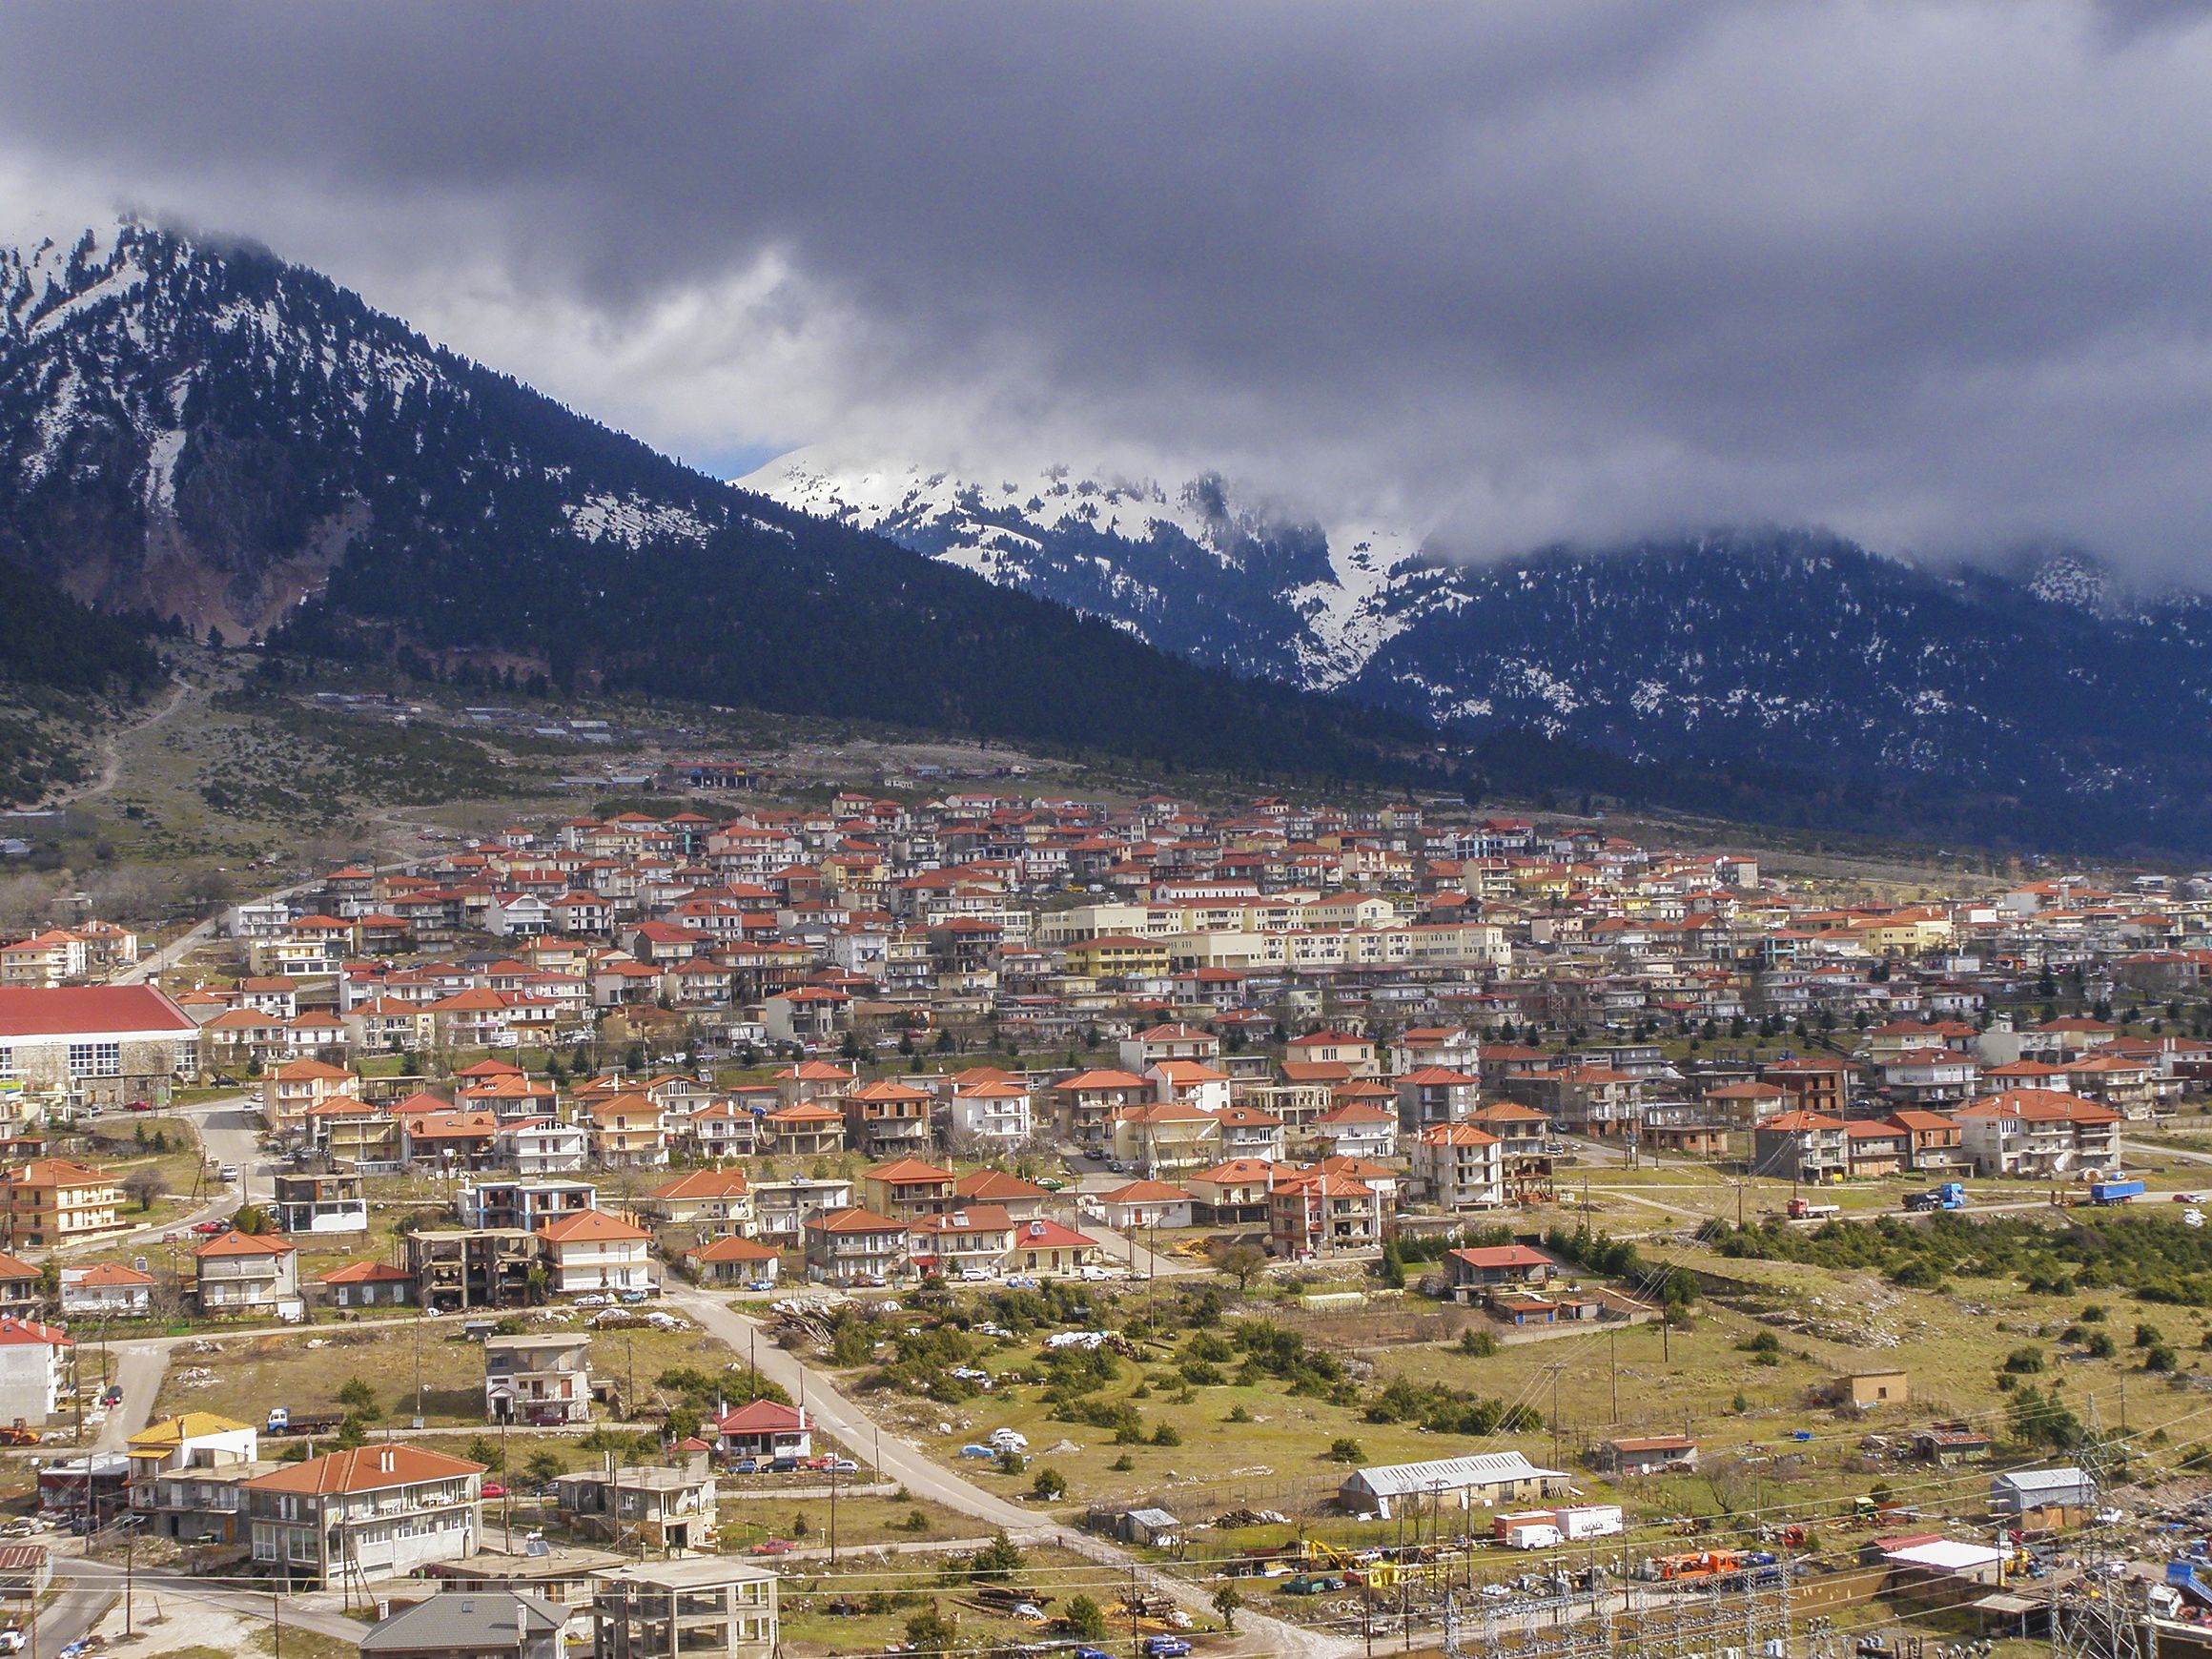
[1049, 1486]
[1478, 1344]
[2024, 1362]
[2148, 1336]
[1344, 1449]
[1765, 1343]
[1085, 1620]
[1167, 1434]
[2102, 1347]
[1238, 1413]
[2159, 1357]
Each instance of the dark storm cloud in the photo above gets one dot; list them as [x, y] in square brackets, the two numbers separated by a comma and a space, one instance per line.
[1932, 273]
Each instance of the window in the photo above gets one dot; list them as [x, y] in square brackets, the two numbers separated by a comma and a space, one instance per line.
[7, 1062]
[96, 1059]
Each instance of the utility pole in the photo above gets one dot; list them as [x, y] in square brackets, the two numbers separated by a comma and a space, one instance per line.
[1613, 1362]
[832, 1517]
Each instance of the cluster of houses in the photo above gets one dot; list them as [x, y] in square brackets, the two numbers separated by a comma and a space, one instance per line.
[639, 1576]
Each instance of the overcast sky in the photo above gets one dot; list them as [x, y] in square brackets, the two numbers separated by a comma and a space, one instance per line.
[1938, 276]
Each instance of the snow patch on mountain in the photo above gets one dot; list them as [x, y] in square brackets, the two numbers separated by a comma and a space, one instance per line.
[632, 521]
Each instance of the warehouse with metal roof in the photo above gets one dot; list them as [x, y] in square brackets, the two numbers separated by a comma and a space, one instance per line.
[1479, 1478]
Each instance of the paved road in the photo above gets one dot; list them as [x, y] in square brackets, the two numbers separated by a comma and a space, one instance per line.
[98, 1584]
[906, 1462]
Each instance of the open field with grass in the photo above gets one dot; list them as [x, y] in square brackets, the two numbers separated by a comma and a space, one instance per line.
[1745, 1374]
[864, 1608]
[304, 1369]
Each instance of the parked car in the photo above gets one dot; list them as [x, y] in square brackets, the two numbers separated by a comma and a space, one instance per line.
[746, 1466]
[782, 1466]
[211, 1226]
[773, 1546]
[1165, 1648]
[10, 1641]
[224, 1080]
[492, 1489]
[114, 1396]
[138, 1106]
[973, 1276]
[844, 1467]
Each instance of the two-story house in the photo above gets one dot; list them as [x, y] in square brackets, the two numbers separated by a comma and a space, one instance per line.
[247, 1273]
[851, 1247]
[713, 1202]
[363, 1516]
[594, 1251]
[538, 1379]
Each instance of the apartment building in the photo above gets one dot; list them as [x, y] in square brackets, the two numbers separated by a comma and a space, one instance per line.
[1458, 1167]
[52, 1201]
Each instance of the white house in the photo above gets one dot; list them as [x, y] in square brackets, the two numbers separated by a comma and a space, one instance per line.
[997, 1114]
[106, 1290]
[1355, 1129]
[594, 1251]
[541, 1146]
[1145, 1204]
[34, 1370]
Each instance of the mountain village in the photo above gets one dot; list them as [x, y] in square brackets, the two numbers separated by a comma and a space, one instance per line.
[975, 1107]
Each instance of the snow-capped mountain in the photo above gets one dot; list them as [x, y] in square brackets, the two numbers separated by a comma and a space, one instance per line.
[1180, 566]
[1780, 649]
[207, 434]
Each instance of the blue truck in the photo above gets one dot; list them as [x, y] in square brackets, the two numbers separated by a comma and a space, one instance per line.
[1950, 1196]
[2115, 1192]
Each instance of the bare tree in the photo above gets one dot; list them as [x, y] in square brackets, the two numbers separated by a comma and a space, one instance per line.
[27, 901]
[145, 1184]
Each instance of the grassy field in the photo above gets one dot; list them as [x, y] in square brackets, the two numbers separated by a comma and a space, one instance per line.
[304, 1369]
[862, 1610]
[1767, 1442]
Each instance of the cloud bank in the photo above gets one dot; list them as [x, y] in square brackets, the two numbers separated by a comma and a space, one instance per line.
[1933, 275]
